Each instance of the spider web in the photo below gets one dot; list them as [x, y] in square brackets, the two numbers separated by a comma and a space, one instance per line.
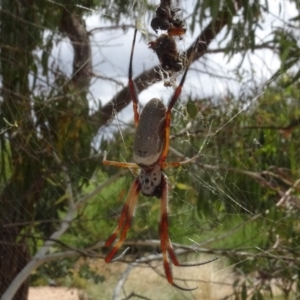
[239, 200]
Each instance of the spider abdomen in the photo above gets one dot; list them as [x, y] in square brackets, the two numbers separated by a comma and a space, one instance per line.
[149, 139]
[151, 181]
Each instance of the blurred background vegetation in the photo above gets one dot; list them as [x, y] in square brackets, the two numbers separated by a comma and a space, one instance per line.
[239, 200]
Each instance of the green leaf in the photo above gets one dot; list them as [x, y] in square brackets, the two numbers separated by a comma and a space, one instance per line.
[244, 291]
[191, 109]
[61, 199]
[183, 186]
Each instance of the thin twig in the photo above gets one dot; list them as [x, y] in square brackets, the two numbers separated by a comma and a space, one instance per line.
[287, 194]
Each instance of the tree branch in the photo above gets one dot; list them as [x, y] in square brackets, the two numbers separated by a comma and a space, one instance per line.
[151, 76]
[82, 64]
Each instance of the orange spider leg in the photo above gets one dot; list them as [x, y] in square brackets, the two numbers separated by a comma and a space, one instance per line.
[176, 164]
[124, 221]
[118, 164]
[131, 85]
[168, 115]
[165, 242]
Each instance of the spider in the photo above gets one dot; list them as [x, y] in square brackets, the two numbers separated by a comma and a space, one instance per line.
[150, 149]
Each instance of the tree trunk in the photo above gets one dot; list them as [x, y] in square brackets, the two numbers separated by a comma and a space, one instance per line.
[18, 41]
[26, 148]
[14, 257]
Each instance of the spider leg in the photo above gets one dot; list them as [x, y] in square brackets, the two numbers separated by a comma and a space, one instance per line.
[165, 243]
[131, 85]
[124, 221]
[118, 164]
[171, 104]
[176, 164]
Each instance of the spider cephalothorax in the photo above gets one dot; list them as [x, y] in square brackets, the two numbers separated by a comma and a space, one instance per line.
[150, 149]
